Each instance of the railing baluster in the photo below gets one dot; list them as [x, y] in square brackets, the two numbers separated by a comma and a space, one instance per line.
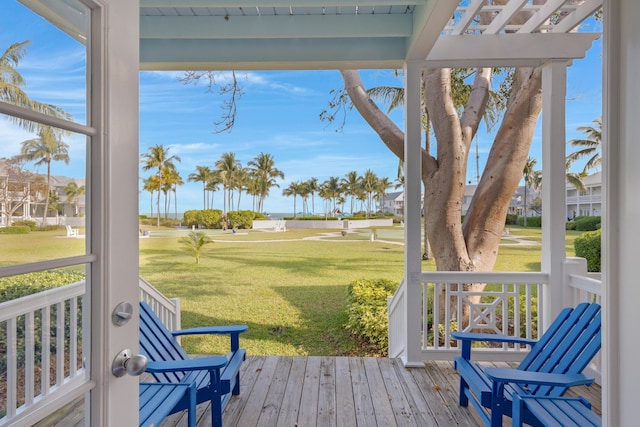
[73, 337]
[46, 351]
[29, 349]
[59, 344]
[12, 367]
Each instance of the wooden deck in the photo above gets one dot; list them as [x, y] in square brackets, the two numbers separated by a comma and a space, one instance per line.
[347, 391]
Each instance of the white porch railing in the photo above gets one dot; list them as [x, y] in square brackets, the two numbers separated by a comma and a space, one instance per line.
[168, 310]
[44, 358]
[511, 304]
[44, 354]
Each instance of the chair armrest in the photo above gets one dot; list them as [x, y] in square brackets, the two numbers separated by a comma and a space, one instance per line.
[196, 364]
[473, 336]
[468, 337]
[234, 329]
[506, 375]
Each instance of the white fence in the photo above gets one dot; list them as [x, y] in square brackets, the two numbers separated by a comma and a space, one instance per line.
[44, 353]
[44, 356]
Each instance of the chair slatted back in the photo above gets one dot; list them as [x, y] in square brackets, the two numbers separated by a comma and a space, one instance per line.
[157, 343]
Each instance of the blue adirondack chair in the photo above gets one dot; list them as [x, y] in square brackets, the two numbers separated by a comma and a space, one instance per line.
[554, 364]
[216, 378]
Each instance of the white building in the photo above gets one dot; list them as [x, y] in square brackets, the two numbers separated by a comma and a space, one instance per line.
[588, 202]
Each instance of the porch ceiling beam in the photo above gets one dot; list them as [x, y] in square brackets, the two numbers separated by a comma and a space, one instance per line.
[508, 49]
[428, 21]
[271, 54]
[277, 3]
[273, 27]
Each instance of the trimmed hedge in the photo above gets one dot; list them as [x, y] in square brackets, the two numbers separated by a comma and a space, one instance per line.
[587, 223]
[241, 219]
[367, 310]
[570, 225]
[532, 221]
[588, 246]
[207, 218]
[15, 229]
[511, 219]
[31, 224]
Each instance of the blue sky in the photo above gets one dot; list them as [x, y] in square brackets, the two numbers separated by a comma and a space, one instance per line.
[278, 114]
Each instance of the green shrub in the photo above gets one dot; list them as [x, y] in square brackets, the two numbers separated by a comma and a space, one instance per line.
[587, 223]
[208, 218]
[523, 317]
[15, 229]
[26, 284]
[31, 224]
[532, 221]
[511, 219]
[49, 227]
[588, 246]
[240, 219]
[367, 310]
[570, 225]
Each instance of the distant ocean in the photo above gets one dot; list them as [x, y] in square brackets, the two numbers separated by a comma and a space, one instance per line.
[272, 215]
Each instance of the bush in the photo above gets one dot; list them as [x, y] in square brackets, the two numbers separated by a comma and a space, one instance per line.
[49, 227]
[570, 225]
[588, 246]
[15, 229]
[208, 218]
[31, 224]
[26, 284]
[587, 223]
[532, 221]
[367, 310]
[240, 219]
[511, 219]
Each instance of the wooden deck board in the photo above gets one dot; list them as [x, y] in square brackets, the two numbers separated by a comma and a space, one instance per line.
[347, 392]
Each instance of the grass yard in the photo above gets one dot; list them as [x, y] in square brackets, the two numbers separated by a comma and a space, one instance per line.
[291, 292]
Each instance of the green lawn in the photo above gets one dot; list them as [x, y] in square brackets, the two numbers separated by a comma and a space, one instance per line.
[291, 292]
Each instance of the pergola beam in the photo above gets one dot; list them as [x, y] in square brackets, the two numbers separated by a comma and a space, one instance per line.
[428, 22]
[276, 3]
[507, 50]
[541, 16]
[505, 16]
[574, 19]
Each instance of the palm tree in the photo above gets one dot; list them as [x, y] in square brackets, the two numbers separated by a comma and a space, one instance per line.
[332, 190]
[194, 242]
[381, 190]
[73, 192]
[212, 186]
[175, 179]
[589, 147]
[202, 174]
[227, 166]
[293, 190]
[44, 150]
[158, 158]
[532, 179]
[369, 184]
[351, 184]
[263, 169]
[313, 186]
[11, 83]
[151, 184]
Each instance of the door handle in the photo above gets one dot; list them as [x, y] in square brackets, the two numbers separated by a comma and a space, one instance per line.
[127, 363]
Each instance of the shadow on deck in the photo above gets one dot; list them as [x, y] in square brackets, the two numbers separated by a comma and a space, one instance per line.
[348, 391]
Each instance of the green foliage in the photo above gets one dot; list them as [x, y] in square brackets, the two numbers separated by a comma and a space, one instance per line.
[49, 227]
[19, 286]
[241, 219]
[588, 246]
[317, 218]
[570, 225]
[511, 219]
[15, 229]
[532, 221]
[587, 223]
[208, 218]
[367, 310]
[523, 316]
[194, 242]
[31, 224]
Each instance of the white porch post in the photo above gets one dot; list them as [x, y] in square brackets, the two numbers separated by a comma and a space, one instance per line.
[554, 89]
[620, 227]
[412, 211]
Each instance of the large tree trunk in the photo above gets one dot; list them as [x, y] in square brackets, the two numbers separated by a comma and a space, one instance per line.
[472, 246]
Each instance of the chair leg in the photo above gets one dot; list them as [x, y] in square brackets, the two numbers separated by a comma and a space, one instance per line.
[463, 400]
[236, 387]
